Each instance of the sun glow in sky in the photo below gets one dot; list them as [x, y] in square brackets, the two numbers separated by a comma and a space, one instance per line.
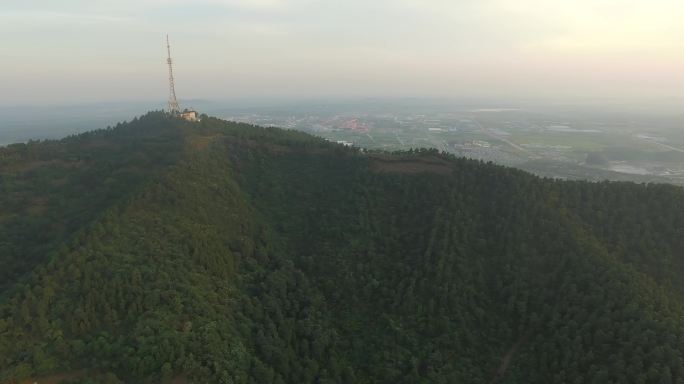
[71, 51]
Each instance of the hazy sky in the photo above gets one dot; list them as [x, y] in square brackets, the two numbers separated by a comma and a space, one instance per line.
[71, 51]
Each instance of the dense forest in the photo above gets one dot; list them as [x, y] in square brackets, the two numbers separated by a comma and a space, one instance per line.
[165, 251]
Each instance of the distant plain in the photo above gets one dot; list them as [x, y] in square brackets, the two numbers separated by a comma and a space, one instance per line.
[592, 142]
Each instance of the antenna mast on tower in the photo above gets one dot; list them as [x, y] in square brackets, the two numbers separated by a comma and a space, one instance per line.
[174, 108]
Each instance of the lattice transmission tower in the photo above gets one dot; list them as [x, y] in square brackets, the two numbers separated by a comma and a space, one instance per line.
[174, 108]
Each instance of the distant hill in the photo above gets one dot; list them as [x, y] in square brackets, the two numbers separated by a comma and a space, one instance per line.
[166, 251]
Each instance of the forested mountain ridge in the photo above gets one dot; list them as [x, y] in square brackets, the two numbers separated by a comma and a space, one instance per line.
[162, 250]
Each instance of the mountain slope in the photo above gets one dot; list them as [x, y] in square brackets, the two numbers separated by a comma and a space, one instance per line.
[51, 189]
[244, 254]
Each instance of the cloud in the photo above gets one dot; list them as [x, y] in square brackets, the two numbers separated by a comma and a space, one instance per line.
[252, 4]
[352, 44]
[60, 17]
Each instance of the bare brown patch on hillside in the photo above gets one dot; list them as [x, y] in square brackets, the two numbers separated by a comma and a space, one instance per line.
[54, 379]
[26, 166]
[201, 142]
[37, 206]
[410, 165]
[60, 182]
[270, 148]
[21, 166]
